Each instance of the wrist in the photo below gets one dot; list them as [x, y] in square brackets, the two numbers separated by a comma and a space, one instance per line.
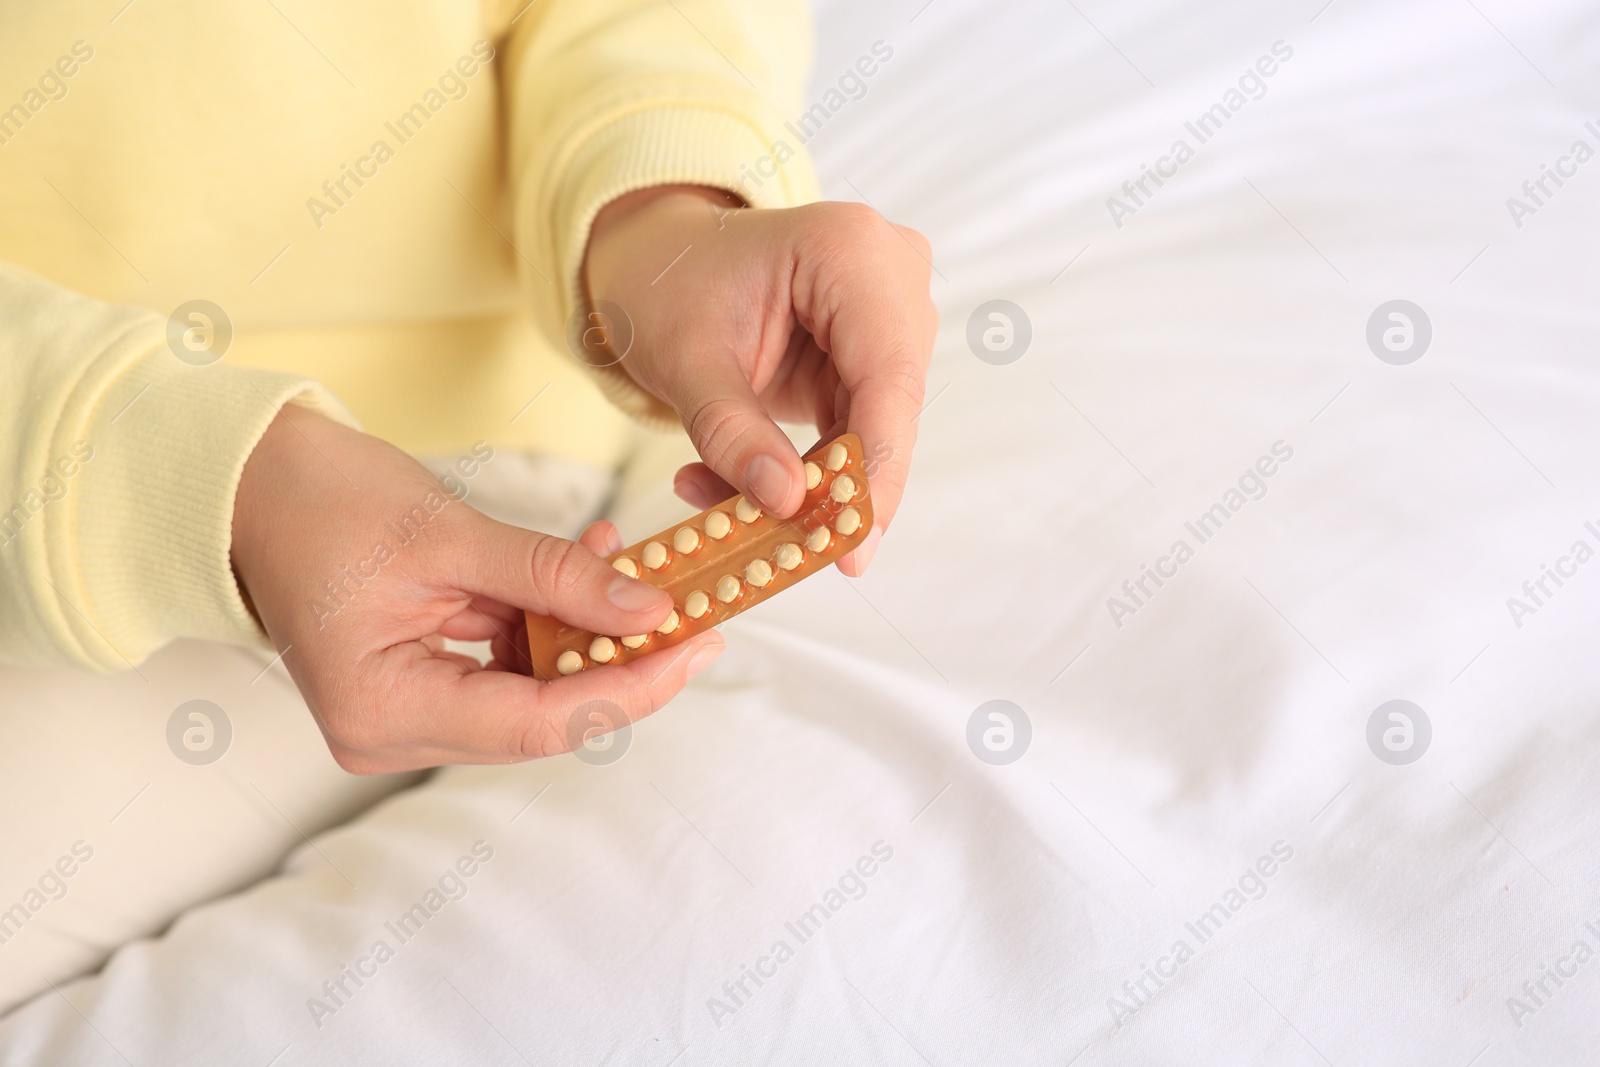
[632, 215]
[631, 239]
[271, 474]
[629, 206]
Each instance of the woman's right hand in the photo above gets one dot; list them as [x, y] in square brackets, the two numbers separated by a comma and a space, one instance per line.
[359, 563]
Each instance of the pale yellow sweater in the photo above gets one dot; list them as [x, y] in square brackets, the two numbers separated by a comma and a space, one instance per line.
[389, 204]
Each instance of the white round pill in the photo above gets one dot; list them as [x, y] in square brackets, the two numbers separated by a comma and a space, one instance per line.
[746, 511]
[602, 650]
[789, 556]
[819, 540]
[843, 489]
[697, 604]
[670, 625]
[837, 455]
[636, 641]
[728, 589]
[569, 662]
[718, 525]
[626, 566]
[758, 573]
[686, 540]
[848, 522]
[655, 555]
[813, 476]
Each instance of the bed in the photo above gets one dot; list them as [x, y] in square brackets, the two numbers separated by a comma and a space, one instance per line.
[1044, 787]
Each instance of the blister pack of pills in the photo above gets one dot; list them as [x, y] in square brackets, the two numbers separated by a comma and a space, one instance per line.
[725, 560]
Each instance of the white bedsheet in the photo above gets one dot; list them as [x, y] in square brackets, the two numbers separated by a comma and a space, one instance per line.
[1223, 721]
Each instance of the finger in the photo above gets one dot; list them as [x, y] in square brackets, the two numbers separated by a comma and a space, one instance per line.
[884, 416]
[862, 291]
[853, 564]
[458, 659]
[832, 406]
[505, 629]
[871, 309]
[552, 576]
[602, 538]
[701, 487]
[883, 406]
[495, 609]
[496, 716]
[737, 438]
[504, 655]
[471, 625]
[480, 614]
[803, 385]
[509, 642]
[509, 650]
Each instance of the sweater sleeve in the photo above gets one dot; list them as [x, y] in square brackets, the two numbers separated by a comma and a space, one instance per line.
[119, 462]
[609, 96]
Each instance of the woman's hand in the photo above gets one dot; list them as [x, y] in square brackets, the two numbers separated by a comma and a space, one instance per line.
[359, 563]
[742, 317]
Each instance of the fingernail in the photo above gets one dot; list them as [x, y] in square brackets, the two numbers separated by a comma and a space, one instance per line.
[690, 494]
[613, 540]
[768, 481]
[629, 594]
[867, 549]
[705, 657]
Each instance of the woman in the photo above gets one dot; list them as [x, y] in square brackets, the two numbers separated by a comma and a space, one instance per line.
[231, 233]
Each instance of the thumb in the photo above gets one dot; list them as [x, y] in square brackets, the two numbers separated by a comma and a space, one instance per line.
[553, 576]
[738, 439]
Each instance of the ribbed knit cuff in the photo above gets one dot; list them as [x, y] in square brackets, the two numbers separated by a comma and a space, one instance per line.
[141, 549]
